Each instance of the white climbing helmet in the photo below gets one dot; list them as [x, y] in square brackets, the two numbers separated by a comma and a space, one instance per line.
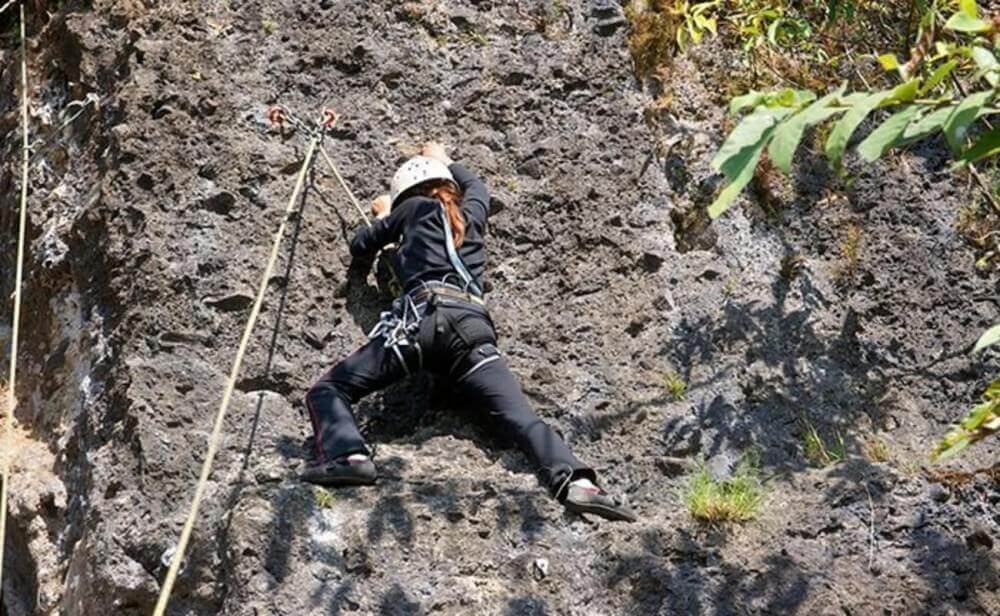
[415, 171]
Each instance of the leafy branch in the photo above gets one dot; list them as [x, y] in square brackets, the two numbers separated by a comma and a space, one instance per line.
[921, 106]
[984, 418]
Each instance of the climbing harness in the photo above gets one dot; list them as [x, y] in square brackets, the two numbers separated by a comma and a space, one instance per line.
[398, 328]
[316, 136]
[8, 435]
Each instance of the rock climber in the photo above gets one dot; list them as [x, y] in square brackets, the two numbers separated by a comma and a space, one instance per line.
[437, 213]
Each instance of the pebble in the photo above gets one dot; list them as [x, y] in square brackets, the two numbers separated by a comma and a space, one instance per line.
[540, 568]
[938, 493]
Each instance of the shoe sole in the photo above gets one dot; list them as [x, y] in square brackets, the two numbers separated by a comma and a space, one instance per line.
[340, 482]
[608, 513]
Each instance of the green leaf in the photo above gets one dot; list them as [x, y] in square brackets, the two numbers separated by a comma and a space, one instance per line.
[965, 113]
[836, 143]
[750, 99]
[788, 134]
[987, 63]
[968, 7]
[991, 337]
[982, 420]
[987, 145]
[746, 135]
[889, 61]
[903, 93]
[862, 105]
[939, 75]
[882, 138]
[788, 97]
[927, 125]
[992, 391]
[963, 22]
[740, 180]
[772, 32]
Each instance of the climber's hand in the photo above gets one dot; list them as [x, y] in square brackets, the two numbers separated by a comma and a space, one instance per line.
[435, 150]
[381, 206]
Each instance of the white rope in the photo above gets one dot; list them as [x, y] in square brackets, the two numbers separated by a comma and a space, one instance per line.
[213, 443]
[7, 6]
[5, 455]
[343, 185]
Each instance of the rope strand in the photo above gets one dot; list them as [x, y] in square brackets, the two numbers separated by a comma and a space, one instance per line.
[213, 443]
[343, 185]
[15, 326]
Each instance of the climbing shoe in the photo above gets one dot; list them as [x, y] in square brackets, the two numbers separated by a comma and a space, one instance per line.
[585, 497]
[352, 470]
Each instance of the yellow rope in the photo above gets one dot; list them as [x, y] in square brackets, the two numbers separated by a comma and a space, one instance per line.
[213, 443]
[15, 326]
[343, 184]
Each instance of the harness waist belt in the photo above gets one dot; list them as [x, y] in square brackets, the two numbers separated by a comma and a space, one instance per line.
[426, 294]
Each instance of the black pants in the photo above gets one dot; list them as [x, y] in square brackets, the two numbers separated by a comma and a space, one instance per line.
[453, 337]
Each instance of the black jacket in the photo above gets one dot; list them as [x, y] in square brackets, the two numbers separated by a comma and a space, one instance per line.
[415, 224]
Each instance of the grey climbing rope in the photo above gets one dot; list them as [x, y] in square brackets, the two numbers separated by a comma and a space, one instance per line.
[215, 438]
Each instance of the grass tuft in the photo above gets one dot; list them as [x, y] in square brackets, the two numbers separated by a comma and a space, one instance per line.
[817, 451]
[676, 386]
[736, 499]
[876, 450]
[324, 498]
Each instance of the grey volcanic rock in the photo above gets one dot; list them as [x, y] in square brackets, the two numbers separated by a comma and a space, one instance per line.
[151, 217]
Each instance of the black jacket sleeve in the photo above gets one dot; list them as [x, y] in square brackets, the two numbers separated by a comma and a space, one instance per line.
[476, 200]
[383, 231]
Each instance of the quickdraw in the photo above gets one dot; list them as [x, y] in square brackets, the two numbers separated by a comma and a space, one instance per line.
[279, 115]
[399, 327]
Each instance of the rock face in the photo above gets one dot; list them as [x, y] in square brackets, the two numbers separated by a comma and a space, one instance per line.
[151, 217]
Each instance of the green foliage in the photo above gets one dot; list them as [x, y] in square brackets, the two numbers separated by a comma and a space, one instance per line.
[663, 27]
[982, 421]
[986, 146]
[988, 339]
[777, 120]
[676, 386]
[696, 22]
[324, 498]
[777, 23]
[817, 451]
[736, 499]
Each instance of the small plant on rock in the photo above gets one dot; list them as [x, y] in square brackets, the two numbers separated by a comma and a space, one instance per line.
[676, 386]
[876, 450]
[817, 451]
[324, 498]
[736, 499]
[850, 251]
